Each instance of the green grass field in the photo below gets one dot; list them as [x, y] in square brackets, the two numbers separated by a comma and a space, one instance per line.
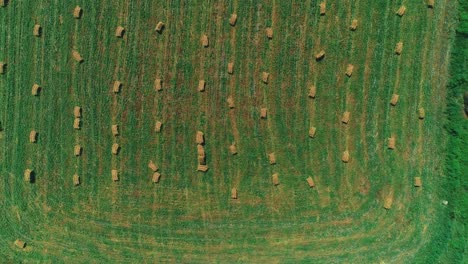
[189, 216]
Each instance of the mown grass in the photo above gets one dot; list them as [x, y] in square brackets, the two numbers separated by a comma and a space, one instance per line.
[188, 216]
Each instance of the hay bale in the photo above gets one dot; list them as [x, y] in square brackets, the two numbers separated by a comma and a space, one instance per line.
[319, 56]
[399, 48]
[76, 180]
[77, 12]
[421, 113]
[265, 76]
[153, 166]
[230, 102]
[345, 156]
[353, 26]
[3, 3]
[233, 19]
[311, 182]
[115, 130]
[119, 31]
[233, 193]
[275, 179]
[20, 243]
[159, 27]
[204, 41]
[201, 159]
[263, 113]
[391, 142]
[401, 11]
[2, 67]
[115, 175]
[230, 69]
[202, 168]
[272, 158]
[233, 148]
[33, 136]
[77, 150]
[77, 57]
[349, 70]
[200, 150]
[115, 148]
[77, 112]
[157, 126]
[158, 84]
[200, 138]
[430, 3]
[28, 175]
[323, 8]
[36, 89]
[312, 91]
[116, 87]
[37, 31]
[77, 123]
[156, 177]
[269, 32]
[312, 131]
[388, 202]
[201, 85]
[417, 182]
[394, 99]
[345, 118]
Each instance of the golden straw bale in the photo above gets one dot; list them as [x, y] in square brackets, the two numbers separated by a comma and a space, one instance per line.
[153, 166]
[204, 41]
[263, 113]
[115, 130]
[401, 11]
[200, 138]
[36, 89]
[33, 136]
[158, 84]
[399, 48]
[76, 180]
[201, 85]
[115, 148]
[312, 91]
[354, 25]
[77, 12]
[159, 27]
[119, 31]
[269, 32]
[272, 158]
[77, 111]
[233, 193]
[77, 123]
[20, 243]
[116, 87]
[345, 118]
[323, 8]
[421, 113]
[265, 76]
[157, 126]
[394, 99]
[349, 70]
[202, 168]
[312, 131]
[77, 150]
[156, 177]
[391, 142]
[320, 55]
[311, 183]
[77, 56]
[37, 31]
[233, 149]
[233, 19]
[230, 68]
[417, 182]
[275, 179]
[115, 175]
[345, 156]
[230, 102]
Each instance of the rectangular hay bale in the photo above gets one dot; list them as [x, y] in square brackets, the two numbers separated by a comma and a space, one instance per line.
[119, 31]
[310, 181]
[76, 180]
[349, 70]
[77, 12]
[153, 166]
[158, 84]
[77, 150]
[115, 175]
[156, 177]
[275, 179]
[269, 32]
[394, 99]
[417, 182]
[77, 123]
[354, 25]
[204, 41]
[200, 138]
[233, 193]
[201, 85]
[312, 131]
[312, 91]
[401, 11]
[345, 118]
[158, 126]
[233, 19]
[33, 136]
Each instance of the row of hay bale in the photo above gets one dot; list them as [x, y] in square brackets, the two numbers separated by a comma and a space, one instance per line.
[200, 140]
[78, 149]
